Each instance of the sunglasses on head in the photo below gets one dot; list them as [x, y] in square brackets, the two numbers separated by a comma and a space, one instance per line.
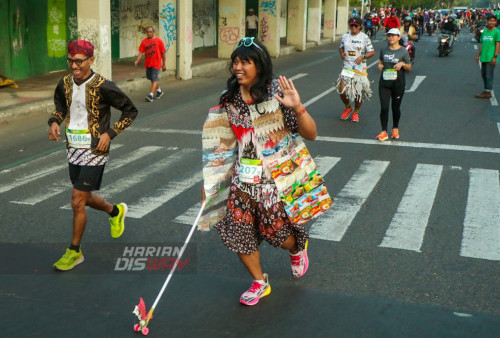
[247, 42]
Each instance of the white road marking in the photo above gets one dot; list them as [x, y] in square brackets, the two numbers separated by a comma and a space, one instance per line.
[346, 205]
[353, 141]
[147, 204]
[408, 225]
[298, 76]
[60, 186]
[125, 183]
[493, 99]
[416, 83]
[324, 164]
[317, 97]
[498, 126]
[481, 232]
[39, 173]
[409, 144]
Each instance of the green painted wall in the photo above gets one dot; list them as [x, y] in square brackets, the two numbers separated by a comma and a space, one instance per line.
[35, 36]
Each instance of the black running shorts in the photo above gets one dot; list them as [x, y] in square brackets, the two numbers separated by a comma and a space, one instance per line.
[86, 178]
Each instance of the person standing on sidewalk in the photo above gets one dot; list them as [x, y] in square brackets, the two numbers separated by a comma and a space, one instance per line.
[488, 55]
[394, 61]
[82, 100]
[154, 50]
[252, 24]
[352, 83]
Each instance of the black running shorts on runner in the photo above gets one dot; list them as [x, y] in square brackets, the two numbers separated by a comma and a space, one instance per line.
[86, 178]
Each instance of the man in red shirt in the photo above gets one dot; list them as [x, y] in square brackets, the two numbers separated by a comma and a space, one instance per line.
[154, 49]
[391, 22]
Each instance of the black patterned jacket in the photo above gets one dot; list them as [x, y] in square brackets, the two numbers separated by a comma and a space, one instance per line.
[100, 95]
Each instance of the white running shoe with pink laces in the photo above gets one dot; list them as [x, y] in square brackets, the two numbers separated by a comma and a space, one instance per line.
[258, 289]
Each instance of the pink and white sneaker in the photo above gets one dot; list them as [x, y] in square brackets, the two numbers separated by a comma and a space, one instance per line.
[300, 262]
[258, 289]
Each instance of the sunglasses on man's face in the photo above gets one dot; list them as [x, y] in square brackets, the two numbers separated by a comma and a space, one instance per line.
[354, 25]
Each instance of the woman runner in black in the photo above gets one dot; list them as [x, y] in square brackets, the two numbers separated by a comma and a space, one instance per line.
[394, 61]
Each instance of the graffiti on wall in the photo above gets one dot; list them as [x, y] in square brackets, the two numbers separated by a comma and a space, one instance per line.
[73, 27]
[17, 41]
[329, 24]
[229, 35]
[115, 20]
[264, 29]
[134, 17]
[56, 28]
[204, 27]
[268, 7]
[168, 21]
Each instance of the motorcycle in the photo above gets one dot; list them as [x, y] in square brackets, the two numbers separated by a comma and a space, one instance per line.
[478, 31]
[411, 50]
[445, 47]
[430, 27]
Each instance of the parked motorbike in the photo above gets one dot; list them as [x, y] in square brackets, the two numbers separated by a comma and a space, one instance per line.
[445, 46]
[478, 31]
[430, 27]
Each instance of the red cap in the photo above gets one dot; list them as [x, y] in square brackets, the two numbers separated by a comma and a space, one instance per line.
[80, 47]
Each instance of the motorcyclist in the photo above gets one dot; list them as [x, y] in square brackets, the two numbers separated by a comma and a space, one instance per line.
[408, 31]
[368, 23]
[391, 22]
[449, 27]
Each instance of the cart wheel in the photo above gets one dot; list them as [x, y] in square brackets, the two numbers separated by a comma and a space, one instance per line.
[145, 331]
[137, 327]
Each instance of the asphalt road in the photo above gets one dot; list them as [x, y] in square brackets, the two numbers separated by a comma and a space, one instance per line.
[411, 247]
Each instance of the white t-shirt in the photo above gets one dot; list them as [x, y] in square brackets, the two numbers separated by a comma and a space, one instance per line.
[355, 46]
[252, 21]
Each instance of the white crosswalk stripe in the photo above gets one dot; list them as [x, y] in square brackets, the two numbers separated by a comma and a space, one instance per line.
[407, 228]
[59, 186]
[333, 225]
[147, 204]
[56, 156]
[481, 234]
[125, 183]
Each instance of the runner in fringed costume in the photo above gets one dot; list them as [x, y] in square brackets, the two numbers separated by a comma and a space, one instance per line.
[259, 178]
[352, 83]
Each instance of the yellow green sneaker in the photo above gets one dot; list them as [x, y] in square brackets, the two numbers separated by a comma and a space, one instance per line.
[69, 260]
[118, 222]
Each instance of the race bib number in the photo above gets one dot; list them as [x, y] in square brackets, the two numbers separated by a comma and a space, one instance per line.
[78, 138]
[347, 72]
[390, 74]
[250, 171]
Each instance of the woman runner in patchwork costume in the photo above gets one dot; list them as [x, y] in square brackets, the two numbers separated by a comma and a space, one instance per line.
[352, 83]
[273, 186]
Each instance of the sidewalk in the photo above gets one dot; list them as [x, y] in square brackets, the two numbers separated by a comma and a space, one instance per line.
[35, 95]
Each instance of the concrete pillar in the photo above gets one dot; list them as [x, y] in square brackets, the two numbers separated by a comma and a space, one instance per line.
[314, 21]
[94, 25]
[343, 16]
[231, 26]
[185, 48]
[269, 25]
[329, 29]
[167, 30]
[296, 32]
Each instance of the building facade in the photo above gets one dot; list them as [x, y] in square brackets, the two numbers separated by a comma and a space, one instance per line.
[37, 32]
